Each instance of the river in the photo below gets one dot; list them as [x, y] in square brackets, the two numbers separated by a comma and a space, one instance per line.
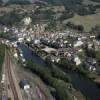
[79, 82]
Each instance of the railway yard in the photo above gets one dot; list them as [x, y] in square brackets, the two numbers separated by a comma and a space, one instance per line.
[18, 84]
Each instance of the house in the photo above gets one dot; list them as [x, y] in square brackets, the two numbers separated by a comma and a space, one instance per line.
[28, 39]
[96, 44]
[24, 84]
[27, 20]
[7, 42]
[52, 58]
[65, 42]
[91, 61]
[20, 40]
[36, 41]
[6, 29]
[16, 55]
[57, 60]
[21, 54]
[80, 50]
[14, 44]
[48, 49]
[90, 46]
[77, 60]
[3, 78]
[78, 43]
[90, 64]
[92, 36]
[23, 60]
[91, 68]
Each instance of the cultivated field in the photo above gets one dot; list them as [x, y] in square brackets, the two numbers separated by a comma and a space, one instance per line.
[86, 2]
[87, 21]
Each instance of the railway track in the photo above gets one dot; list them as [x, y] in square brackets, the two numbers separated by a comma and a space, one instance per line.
[9, 72]
[11, 81]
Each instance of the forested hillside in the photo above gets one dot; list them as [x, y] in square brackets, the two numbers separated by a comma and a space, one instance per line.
[76, 6]
[55, 13]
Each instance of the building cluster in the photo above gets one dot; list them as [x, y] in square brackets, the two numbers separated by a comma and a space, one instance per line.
[68, 44]
[71, 46]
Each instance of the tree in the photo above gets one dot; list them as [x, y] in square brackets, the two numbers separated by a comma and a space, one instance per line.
[90, 53]
[96, 30]
[46, 74]
[98, 55]
[76, 27]
[80, 27]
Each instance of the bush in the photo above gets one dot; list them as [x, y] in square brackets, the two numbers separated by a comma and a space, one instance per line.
[90, 53]
[76, 27]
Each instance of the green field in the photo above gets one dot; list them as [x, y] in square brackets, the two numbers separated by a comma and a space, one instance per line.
[86, 2]
[87, 21]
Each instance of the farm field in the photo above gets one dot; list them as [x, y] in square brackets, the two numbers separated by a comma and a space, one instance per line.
[87, 21]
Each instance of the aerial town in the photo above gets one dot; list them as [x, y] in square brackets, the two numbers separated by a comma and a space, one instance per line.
[69, 44]
[52, 47]
[37, 64]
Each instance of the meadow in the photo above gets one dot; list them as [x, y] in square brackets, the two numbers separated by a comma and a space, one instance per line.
[87, 21]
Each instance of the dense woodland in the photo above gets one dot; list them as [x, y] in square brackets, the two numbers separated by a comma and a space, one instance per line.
[75, 6]
[96, 0]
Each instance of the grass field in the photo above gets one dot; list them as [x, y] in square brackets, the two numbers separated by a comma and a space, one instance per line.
[86, 2]
[87, 21]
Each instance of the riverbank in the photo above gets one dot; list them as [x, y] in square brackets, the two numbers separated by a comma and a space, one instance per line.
[87, 87]
[94, 77]
[55, 78]
[91, 75]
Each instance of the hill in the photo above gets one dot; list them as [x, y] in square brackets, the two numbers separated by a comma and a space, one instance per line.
[18, 1]
[49, 12]
[76, 6]
[87, 21]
